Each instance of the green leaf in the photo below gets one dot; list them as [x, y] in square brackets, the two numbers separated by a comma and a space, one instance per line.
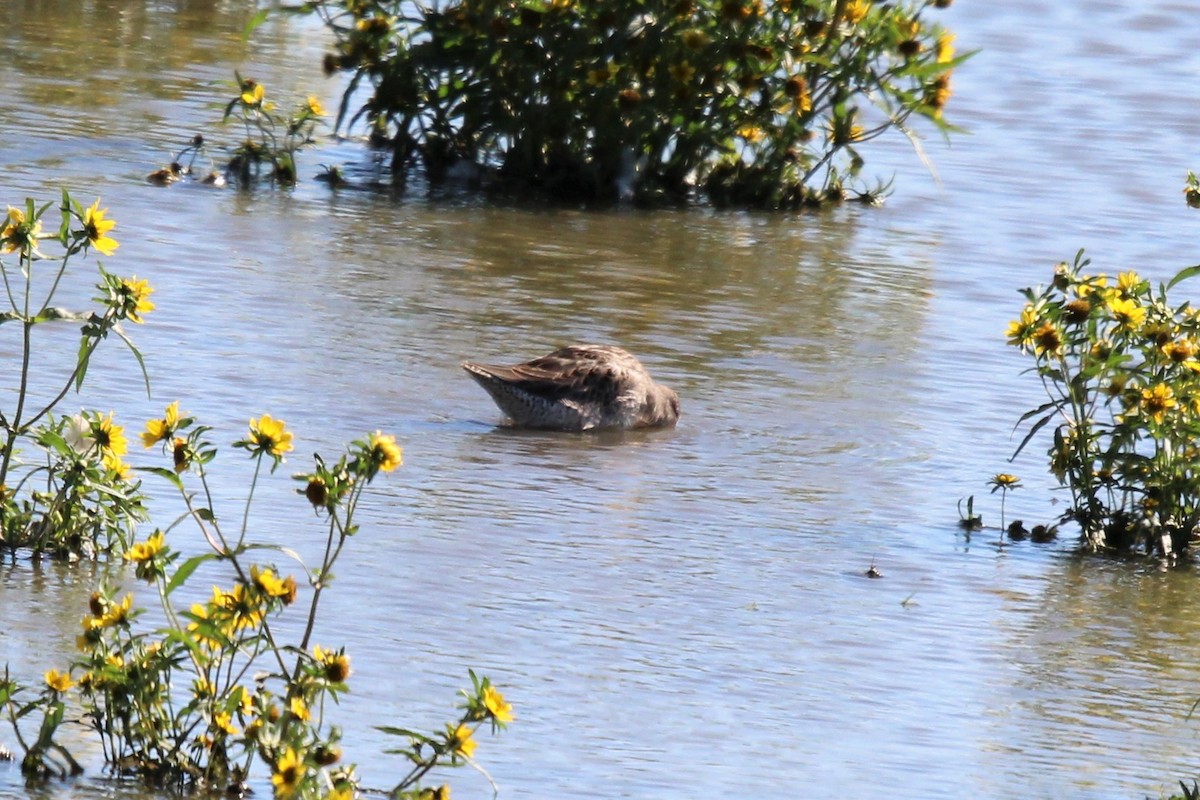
[1037, 426]
[1183, 275]
[163, 472]
[53, 314]
[255, 21]
[403, 732]
[185, 571]
[85, 354]
[136, 354]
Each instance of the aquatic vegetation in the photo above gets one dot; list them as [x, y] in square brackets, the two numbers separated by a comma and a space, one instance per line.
[272, 138]
[1120, 364]
[749, 103]
[252, 696]
[65, 489]
[267, 151]
[1004, 483]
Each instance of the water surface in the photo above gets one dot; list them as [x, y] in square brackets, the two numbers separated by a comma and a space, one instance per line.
[675, 614]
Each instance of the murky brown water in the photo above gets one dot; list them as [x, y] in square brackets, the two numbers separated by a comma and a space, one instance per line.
[679, 614]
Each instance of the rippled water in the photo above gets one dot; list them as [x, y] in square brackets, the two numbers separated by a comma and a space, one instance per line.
[675, 614]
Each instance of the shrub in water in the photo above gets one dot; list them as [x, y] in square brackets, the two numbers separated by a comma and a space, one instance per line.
[759, 104]
[1120, 363]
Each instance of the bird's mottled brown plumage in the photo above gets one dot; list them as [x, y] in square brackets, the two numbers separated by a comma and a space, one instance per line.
[579, 388]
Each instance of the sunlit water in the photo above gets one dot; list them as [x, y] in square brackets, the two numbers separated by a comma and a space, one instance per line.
[675, 614]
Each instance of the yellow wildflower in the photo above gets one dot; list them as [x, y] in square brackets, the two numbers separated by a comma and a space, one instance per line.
[97, 227]
[497, 706]
[945, 48]
[18, 234]
[1090, 284]
[224, 721]
[313, 106]
[1005, 480]
[58, 681]
[105, 614]
[1047, 340]
[137, 293]
[113, 463]
[269, 436]
[118, 612]
[751, 133]
[289, 771]
[1020, 331]
[797, 89]
[252, 93]
[147, 550]
[299, 709]
[1180, 351]
[272, 585]
[316, 491]
[1127, 313]
[385, 452]
[242, 608]
[109, 436]
[1128, 283]
[460, 740]
[180, 454]
[159, 430]
[937, 94]
[336, 665]
[1157, 401]
[201, 613]
[856, 10]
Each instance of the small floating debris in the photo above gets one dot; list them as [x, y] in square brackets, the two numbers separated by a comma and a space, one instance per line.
[873, 571]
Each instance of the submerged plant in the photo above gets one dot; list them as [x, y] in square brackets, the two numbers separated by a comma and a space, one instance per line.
[64, 486]
[1120, 364]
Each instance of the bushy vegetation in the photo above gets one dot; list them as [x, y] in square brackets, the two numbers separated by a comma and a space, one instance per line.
[1120, 364]
[64, 486]
[271, 138]
[196, 701]
[751, 103]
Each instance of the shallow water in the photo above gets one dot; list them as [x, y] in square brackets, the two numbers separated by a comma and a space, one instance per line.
[674, 614]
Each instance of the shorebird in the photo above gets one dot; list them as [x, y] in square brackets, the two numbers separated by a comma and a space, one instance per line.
[579, 388]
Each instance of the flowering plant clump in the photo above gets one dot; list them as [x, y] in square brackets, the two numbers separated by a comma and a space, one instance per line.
[199, 701]
[762, 104]
[64, 486]
[1120, 364]
[272, 139]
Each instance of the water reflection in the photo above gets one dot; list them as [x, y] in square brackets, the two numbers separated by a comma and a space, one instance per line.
[1103, 666]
